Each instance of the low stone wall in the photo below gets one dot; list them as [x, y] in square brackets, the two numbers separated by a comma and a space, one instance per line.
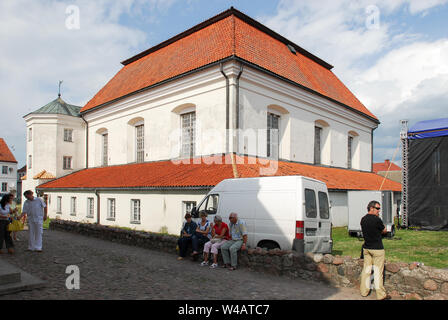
[408, 281]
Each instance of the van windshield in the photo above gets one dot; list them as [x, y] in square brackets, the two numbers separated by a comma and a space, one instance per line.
[209, 205]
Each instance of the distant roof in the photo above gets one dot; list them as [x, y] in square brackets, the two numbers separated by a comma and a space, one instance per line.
[429, 129]
[231, 35]
[385, 166]
[23, 169]
[59, 106]
[44, 175]
[209, 172]
[6, 154]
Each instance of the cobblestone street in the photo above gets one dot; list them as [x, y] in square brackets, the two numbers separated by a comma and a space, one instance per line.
[114, 271]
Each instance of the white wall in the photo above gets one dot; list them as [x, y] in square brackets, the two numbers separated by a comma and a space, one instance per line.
[160, 210]
[339, 208]
[48, 147]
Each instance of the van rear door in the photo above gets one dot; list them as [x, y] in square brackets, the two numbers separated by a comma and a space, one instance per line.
[324, 227]
[311, 221]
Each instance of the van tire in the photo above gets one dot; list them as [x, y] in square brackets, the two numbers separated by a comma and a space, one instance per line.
[268, 244]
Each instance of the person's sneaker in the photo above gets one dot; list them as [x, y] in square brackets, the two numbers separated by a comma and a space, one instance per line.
[214, 265]
[180, 258]
[204, 263]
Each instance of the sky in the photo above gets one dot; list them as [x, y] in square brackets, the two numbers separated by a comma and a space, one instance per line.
[392, 54]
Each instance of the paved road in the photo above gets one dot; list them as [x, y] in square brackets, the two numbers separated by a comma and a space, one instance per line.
[114, 271]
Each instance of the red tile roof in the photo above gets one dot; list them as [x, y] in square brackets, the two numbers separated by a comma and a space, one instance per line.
[230, 34]
[167, 174]
[384, 166]
[6, 154]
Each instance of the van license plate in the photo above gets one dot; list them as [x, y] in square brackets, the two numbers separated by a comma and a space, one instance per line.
[310, 231]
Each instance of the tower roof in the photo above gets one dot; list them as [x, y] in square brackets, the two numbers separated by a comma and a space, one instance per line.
[59, 106]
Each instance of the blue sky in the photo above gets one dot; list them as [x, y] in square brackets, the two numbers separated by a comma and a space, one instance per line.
[398, 70]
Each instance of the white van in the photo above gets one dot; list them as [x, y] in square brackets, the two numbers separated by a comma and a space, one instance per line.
[287, 212]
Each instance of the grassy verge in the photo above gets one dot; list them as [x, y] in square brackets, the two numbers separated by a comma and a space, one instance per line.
[429, 247]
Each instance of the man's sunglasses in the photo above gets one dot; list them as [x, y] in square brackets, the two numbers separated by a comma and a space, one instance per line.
[377, 208]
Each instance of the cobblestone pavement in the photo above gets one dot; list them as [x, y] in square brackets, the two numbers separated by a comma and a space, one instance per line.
[113, 271]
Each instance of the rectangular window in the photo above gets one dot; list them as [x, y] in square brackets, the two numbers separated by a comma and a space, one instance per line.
[73, 206]
[59, 205]
[30, 134]
[90, 207]
[105, 149]
[349, 152]
[324, 208]
[4, 169]
[188, 134]
[4, 187]
[310, 203]
[68, 135]
[140, 143]
[317, 145]
[30, 162]
[187, 206]
[67, 163]
[135, 211]
[111, 209]
[272, 135]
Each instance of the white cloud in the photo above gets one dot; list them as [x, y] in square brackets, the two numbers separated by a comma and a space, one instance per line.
[37, 50]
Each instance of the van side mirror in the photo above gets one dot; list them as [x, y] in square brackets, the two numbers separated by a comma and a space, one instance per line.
[194, 213]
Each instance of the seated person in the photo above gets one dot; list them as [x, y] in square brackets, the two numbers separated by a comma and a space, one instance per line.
[238, 234]
[202, 234]
[187, 232]
[220, 234]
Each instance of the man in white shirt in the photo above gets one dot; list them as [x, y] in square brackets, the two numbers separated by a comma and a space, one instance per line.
[34, 209]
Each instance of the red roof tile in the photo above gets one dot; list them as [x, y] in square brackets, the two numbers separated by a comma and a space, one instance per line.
[166, 174]
[6, 154]
[384, 166]
[230, 34]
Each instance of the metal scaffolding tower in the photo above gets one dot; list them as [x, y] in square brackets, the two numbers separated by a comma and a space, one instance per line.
[405, 170]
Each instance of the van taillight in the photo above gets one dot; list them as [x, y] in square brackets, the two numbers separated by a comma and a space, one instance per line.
[299, 229]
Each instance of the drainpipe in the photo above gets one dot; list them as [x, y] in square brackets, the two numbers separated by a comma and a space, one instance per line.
[97, 206]
[237, 108]
[227, 106]
[371, 151]
[87, 142]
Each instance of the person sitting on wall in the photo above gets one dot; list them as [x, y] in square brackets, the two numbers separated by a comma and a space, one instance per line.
[187, 232]
[202, 234]
[220, 235]
[238, 233]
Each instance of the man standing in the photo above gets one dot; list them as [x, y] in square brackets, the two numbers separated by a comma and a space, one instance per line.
[238, 234]
[34, 209]
[372, 228]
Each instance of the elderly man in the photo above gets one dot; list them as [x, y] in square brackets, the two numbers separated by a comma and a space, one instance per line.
[34, 209]
[238, 235]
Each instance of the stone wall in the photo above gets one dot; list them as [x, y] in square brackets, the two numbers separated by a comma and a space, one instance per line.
[408, 281]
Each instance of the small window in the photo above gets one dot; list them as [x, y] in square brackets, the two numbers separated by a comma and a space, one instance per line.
[68, 135]
[273, 136]
[59, 205]
[67, 163]
[292, 49]
[111, 209]
[310, 203]
[30, 134]
[90, 207]
[135, 211]
[30, 162]
[4, 187]
[210, 205]
[188, 134]
[4, 170]
[73, 206]
[324, 208]
[349, 152]
[317, 145]
[140, 143]
[105, 149]
[187, 206]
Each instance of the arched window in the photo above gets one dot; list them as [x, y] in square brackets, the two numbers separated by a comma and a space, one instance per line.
[136, 139]
[277, 123]
[321, 147]
[352, 146]
[103, 145]
[187, 115]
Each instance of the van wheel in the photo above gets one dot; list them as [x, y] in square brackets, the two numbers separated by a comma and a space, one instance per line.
[268, 245]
